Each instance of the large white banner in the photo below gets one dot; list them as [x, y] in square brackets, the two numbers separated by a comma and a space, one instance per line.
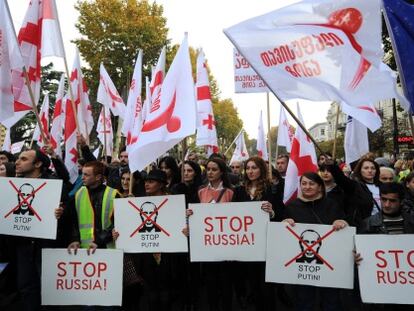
[246, 80]
[386, 272]
[151, 224]
[310, 254]
[27, 206]
[228, 231]
[82, 279]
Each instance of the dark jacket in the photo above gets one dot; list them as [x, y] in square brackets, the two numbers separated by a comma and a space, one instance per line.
[322, 211]
[375, 224]
[240, 195]
[358, 203]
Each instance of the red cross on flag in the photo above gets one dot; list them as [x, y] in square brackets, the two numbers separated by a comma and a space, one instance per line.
[56, 130]
[11, 63]
[38, 37]
[173, 118]
[206, 125]
[108, 94]
[319, 50]
[261, 140]
[44, 118]
[284, 131]
[133, 117]
[105, 132]
[81, 98]
[302, 159]
[71, 152]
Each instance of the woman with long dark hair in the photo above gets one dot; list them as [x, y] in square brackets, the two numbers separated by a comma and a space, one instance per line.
[256, 186]
[169, 165]
[313, 207]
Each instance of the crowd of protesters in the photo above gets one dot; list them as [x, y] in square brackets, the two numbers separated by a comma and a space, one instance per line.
[375, 196]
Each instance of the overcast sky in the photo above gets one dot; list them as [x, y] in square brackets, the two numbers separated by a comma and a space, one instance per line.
[204, 21]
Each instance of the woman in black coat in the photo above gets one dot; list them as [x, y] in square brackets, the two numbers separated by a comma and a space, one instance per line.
[313, 207]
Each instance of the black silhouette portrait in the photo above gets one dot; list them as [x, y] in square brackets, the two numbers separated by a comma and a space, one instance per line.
[147, 208]
[25, 198]
[309, 237]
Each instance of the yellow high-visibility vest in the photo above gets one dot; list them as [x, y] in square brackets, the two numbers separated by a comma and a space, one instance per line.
[86, 214]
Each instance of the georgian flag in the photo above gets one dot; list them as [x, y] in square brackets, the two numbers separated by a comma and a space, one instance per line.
[240, 152]
[105, 131]
[44, 119]
[56, 130]
[261, 140]
[284, 131]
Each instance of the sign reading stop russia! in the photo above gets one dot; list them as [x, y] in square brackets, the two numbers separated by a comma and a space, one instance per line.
[228, 231]
[386, 272]
[82, 279]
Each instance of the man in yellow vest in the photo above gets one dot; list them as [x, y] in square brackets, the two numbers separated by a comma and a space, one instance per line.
[92, 215]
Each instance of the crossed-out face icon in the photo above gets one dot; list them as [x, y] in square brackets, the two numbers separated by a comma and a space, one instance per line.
[147, 208]
[25, 198]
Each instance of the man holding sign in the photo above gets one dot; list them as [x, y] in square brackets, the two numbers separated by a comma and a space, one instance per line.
[32, 164]
[386, 261]
[92, 213]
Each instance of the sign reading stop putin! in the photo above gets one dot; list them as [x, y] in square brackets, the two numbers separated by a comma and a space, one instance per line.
[228, 231]
[386, 272]
[82, 279]
[309, 254]
[28, 205]
[151, 224]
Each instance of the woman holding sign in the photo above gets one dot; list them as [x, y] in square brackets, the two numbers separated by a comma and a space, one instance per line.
[256, 186]
[218, 275]
[313, 207]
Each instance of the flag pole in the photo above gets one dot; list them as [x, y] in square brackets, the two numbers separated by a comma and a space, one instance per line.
[131, 183]
[269, 144]
[184, 147]
[281, 101]
[104, 126]
[228, 149]
[338, 111]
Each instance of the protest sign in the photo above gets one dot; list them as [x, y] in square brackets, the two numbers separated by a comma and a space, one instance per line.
[228, 231]
[82, 279]
[28, 206]
[310, 254]
[386, 272]
[246, 80]
[151, 224]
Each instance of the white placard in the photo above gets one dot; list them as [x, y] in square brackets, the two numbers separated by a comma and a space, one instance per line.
[151, 224]
[310, 254]
[386, 272]
[28, 206]
[246, 80]
[82, 279]
[228, 231]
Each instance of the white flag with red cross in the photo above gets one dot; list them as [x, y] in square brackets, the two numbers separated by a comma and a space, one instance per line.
[105, 132]
[302, 159]
[285, 131]
[172, 118]
[261, 140]
[81, 98]
[133, 117]
[157, 79]
[39, 37]
[56, 130]
[108, 94]
[44, 119]
[319, 50]
[240, 152]
[11, 63]
[71, 152]
[206, 125]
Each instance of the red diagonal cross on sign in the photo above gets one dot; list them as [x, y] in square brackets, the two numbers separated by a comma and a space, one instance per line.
[148, 218]
[309, 247]
[24, 200]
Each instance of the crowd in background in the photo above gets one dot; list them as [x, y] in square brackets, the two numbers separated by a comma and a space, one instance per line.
[374, 195]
